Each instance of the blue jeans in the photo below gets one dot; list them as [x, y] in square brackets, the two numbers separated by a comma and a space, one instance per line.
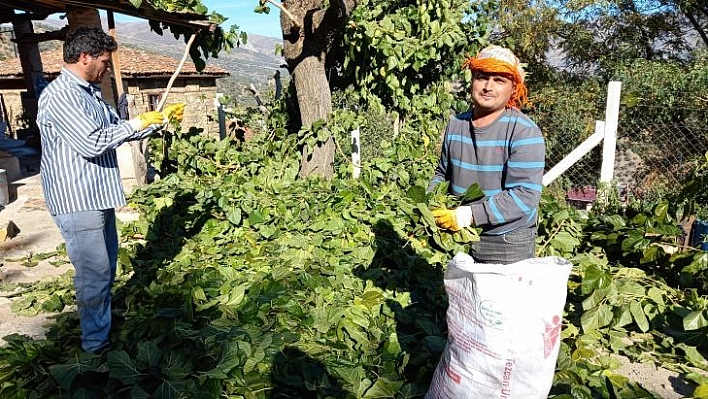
[506, 248]
[92, 244]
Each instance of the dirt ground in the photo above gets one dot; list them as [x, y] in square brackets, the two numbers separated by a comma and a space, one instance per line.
[39, 235]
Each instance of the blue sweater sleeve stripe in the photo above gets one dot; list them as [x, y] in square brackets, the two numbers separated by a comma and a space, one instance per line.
[526, 165]
[477, 168]
[495, 210]
[532, 215]
[457, 190]
[519, 202]
[530, 186]
[532, 141]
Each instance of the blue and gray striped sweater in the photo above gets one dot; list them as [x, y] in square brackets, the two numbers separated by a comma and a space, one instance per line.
[506, 158]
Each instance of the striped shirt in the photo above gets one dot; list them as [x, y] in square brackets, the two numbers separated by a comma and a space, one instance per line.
[80, 134]
[506, 158]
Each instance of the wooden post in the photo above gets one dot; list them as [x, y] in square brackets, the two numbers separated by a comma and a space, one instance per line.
[136, 147]
[32, 69]
[278, 84]
[115, 56]
[611, 121]
[221, 115]
[356, 153]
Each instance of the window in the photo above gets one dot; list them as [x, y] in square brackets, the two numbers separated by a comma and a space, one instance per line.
[154, 101]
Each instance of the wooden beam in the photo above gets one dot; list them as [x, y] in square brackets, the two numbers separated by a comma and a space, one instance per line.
[145, 11]
[7, 15]
[43, 37]
[33, 10]
[30, 60]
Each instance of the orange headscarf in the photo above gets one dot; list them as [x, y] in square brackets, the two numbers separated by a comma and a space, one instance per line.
[497, 59]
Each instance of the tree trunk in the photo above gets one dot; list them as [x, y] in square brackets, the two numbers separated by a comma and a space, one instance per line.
[308, 34]
[315, 102]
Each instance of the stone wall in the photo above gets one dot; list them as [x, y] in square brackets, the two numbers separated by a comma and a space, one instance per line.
[198, 95]
[12, 101]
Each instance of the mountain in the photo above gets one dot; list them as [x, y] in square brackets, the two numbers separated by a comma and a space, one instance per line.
[256, 59]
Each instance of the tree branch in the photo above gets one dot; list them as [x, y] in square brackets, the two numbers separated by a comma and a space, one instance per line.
[285, 11]
[177, 71]
[696, 26]
[261, 106]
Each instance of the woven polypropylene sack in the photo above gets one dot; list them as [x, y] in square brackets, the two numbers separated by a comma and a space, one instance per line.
[504, 324]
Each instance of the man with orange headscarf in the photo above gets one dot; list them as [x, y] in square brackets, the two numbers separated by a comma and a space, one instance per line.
[501, 149]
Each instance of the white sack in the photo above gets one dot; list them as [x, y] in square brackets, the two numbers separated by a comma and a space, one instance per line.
[504, 324]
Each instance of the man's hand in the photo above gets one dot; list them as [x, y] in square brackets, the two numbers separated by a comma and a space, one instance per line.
[150, 118]
[453, 219]
[174, 112]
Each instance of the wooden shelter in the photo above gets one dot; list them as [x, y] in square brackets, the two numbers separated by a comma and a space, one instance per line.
[21, 13]
[144, 77]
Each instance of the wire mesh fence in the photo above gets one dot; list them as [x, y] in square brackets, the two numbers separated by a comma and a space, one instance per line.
[655, 158]
[652, 157]
[562, 136]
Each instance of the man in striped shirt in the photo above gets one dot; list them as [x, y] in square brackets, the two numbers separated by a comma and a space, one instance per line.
[79, 169]
[502, 150]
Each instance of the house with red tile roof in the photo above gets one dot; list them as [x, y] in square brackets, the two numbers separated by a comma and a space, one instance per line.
[144, 78]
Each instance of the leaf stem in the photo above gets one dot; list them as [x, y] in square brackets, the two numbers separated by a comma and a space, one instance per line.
[553, 234]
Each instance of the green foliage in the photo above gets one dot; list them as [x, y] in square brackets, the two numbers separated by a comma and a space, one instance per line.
[399, 55]
[656, 84]
[240, 280]
[694, 195]
[208, 42]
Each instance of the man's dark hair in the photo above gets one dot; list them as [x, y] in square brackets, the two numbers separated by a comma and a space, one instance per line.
[92, 41]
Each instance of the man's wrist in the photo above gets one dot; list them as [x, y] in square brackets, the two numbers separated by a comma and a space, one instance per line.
[136, 124]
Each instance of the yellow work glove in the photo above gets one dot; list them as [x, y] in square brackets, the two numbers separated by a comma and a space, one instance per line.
[147, 119]
[174, 112]
[453, 219]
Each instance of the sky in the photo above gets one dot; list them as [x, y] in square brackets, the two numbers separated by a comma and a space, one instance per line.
[238, 12]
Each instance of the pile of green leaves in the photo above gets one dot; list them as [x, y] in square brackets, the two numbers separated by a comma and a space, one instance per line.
[631, 293]
[240, 280]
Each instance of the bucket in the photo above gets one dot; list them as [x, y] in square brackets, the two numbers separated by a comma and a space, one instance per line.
[699, 234]
[4, 190]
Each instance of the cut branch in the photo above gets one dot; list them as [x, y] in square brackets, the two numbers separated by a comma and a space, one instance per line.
[697, 26]
[285, 11]
[261, 106]
[177, 72]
